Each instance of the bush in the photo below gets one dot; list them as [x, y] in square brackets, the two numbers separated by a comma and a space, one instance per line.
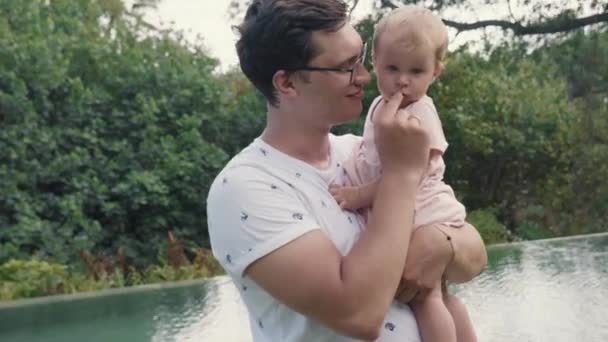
[35, 278]
[488, 226]
[107, 132]
[530, 230]
[31, 278]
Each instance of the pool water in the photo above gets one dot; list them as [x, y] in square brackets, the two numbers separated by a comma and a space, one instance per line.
[550, 290]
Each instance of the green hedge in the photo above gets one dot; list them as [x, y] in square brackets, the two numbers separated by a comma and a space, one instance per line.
[109, 134]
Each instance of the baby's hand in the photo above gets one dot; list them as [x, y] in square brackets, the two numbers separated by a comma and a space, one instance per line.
[348, 197]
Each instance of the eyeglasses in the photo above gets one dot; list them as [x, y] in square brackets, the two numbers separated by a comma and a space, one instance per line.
[351, 70]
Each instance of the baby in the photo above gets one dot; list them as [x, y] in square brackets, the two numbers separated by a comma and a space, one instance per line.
[409, 47]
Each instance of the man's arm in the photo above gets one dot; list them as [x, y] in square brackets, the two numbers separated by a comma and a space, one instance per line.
[350, 294]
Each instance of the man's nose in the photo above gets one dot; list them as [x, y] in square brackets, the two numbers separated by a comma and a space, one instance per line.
[362, 76]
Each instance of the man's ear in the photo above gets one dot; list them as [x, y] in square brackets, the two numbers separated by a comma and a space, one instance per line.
[283, 83]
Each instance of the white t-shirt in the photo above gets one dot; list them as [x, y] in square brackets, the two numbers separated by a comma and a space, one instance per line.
[264, 199]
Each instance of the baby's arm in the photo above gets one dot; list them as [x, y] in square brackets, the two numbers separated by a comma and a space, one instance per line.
[354, 197]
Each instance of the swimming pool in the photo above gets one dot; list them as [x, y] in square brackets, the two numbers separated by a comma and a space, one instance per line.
[547, 290]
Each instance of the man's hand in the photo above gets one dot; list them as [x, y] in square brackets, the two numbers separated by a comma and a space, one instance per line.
[429, 254]
[403, 146]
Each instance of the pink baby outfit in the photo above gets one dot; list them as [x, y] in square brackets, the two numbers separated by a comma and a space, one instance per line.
[435, 200]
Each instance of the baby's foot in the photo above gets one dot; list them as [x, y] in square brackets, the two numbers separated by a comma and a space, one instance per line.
[348, 197]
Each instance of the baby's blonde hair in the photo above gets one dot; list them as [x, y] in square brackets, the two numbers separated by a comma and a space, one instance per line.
[414, 25]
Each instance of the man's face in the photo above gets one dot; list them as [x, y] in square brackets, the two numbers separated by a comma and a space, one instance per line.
[404, 67]
[329, 96]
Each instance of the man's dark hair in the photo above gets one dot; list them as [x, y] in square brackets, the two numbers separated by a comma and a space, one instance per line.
[276, 35]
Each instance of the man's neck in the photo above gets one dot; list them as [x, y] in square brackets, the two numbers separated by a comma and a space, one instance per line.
[297, 139]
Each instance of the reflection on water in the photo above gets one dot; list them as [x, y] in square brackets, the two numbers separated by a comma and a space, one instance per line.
[221, 318]
[555, 290]
[543, 291]
[201, 311]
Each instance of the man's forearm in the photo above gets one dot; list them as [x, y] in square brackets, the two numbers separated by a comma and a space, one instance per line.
[373, 268]
[367, 193]
[470, 255]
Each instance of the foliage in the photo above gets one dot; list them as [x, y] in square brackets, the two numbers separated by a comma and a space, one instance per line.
[35, 278]
[241, 121]
[507, 119]
[543, 18]
[532, 231]
[580, 201]
[30, 279]
[110, 134]
[488, 226]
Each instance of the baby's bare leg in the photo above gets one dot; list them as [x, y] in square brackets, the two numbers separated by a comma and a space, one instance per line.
[434, 320]
[354, 197]
[462, 321]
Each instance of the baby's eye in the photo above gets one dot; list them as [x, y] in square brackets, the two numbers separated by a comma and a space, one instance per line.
[417, 71]
[392, 68]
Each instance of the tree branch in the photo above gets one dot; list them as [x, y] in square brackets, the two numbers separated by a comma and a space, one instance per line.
[552, 26]
[555, 25]
[352, 8]
[387, 4]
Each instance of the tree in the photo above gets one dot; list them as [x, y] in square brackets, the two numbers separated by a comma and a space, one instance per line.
[109, 136]
[541, 16]
[547, 16]
[238, 7]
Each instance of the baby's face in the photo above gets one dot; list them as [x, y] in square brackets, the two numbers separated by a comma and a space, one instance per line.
[400, 66]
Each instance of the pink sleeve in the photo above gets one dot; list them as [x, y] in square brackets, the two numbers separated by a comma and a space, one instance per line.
[425, 110]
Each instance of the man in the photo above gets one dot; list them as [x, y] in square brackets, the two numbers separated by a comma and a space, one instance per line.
[306, 270]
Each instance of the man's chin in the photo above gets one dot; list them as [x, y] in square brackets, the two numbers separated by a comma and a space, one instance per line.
[351, 116]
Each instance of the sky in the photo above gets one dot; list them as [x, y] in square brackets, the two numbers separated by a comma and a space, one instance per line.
[210, 19]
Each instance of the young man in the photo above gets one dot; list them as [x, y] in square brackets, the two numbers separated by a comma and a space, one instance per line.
[306, 270]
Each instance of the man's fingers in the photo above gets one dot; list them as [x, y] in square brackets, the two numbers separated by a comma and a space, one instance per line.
[389, 108]
[423, 293]
[406, 292]
[407, 295]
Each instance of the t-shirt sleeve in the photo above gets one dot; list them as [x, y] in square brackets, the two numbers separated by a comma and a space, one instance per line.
[426, 112]
[250, 214]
